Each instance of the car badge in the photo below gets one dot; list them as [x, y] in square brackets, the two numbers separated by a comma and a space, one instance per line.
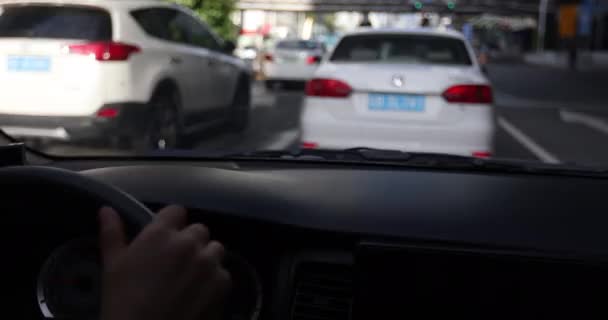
[398, 81]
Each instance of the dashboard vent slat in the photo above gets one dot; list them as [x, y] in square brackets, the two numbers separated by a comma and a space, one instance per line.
[322, 291]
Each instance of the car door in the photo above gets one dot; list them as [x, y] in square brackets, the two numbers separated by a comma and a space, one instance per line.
[220, 66]
[170, 27]
[224, 67]
[198, 74]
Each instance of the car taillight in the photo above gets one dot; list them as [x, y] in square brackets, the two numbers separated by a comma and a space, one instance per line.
[108, 113]
[268, 57]
[313, 60]
[328, 88]
[482, 154]
[309, 145]
[469, 94]
[104, 51]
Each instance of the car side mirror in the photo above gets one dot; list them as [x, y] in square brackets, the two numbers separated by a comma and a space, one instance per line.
[229, 47]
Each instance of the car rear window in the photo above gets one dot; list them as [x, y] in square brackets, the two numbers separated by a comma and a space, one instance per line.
[402, 49]
[55, 22]
[298, 45]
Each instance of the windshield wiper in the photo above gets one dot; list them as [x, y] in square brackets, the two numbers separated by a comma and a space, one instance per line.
[428, 161]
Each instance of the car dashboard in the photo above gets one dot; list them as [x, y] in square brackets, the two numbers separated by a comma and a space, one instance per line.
[316, 241]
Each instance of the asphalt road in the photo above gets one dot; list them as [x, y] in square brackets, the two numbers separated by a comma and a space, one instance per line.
[552, 115]
[273, 125]
[546, 114]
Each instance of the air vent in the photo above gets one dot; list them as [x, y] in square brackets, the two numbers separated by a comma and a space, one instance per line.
[323, 291]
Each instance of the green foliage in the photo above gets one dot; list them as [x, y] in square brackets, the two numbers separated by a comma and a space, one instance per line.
[217, 13]
[329, 21]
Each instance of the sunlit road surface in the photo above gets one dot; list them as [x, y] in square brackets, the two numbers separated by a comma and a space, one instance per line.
[545, 114]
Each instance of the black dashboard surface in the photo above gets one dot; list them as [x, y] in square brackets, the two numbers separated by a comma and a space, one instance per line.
[530, 212]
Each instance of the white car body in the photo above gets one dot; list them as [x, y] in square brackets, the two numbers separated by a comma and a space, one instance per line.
[442, 127]
[283, 64]
[61, 100]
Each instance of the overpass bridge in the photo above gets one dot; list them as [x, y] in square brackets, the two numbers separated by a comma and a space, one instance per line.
[503, 7]
[548, 17]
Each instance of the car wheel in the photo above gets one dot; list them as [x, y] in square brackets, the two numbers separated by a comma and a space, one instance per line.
[270, 85]
[163, 129]
[241, 105]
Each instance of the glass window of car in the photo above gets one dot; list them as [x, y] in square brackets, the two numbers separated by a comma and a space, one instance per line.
[162, 23]
[199, 34]
[402, 49]
[55, 22]
[299, 45]
[174, 25]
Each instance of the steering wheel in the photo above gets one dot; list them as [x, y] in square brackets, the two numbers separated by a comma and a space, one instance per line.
[27, 180]
[74, 259]
[133, 212]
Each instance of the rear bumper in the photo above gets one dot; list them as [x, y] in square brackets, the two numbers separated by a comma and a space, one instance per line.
[130, 121]
[473, 134]
[294, 72]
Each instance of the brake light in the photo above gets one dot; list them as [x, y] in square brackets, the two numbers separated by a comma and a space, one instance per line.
[309, 145]
[108, 113]
[104, 51]
[328, 88]
[313, 60]
[469, 94]
[482, 154]
[268, 57]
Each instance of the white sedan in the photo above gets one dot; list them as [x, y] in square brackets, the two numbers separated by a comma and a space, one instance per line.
[292, 61]
[418, 90]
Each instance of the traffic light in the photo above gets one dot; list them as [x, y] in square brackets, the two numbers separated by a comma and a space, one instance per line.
[451, 5]
[418, 5]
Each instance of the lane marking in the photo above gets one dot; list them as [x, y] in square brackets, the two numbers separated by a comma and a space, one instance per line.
[527, 142]
[283, 140]
[584, 119]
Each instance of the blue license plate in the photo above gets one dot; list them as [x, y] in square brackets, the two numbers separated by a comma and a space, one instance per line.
[396, 102]
[28, 64]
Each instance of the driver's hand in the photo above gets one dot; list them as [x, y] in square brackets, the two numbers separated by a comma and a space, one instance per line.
[170, 271]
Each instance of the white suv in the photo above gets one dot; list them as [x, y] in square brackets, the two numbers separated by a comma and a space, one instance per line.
[140, 72]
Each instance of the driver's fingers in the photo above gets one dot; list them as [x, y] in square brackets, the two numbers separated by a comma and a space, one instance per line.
[174, 217]
[198, 232]
[112, 238]
[215, 250]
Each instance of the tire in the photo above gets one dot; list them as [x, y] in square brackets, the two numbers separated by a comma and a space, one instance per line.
[241, 106]
[270, 85]
[163, 129]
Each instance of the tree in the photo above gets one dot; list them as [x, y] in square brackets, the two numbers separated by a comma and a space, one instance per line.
[329, 21]
[217, 13]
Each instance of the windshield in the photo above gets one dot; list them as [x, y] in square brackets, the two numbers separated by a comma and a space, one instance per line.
[53, 22]
[298, 45]
[402, 49]
[519, 80]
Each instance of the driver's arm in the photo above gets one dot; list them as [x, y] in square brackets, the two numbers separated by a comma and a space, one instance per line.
[170, 271]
